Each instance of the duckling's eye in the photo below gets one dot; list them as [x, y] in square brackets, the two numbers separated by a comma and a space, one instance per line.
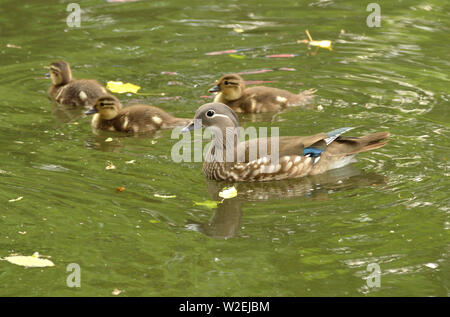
[210, 113]
[226, 82]
[101, 104]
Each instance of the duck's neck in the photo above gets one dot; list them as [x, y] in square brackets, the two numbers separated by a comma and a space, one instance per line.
[223, 146]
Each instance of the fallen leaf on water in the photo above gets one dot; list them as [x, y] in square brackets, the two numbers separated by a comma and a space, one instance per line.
[222, 52]
[120, 88]
[282, 55]
[207, 203]
[110, 166]
[116, 292]
[13, 46]
[16, 199]
[154, 221]
[228, 192]
[237, 56]
[169, 73]
[323, 44]
[120, 189]
[238, 30]
[431, 265]
[130, 162]
[29, 261]
[109, 140]
[164, 196]
[290, 69]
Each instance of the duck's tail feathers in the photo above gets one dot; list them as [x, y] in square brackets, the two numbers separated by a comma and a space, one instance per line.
[352, 145]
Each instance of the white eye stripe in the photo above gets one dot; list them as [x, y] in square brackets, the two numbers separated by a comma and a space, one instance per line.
[220, 115]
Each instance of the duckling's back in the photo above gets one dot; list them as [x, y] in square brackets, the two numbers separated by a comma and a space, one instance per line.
[266, 99]
[144, 118]
[81, 92]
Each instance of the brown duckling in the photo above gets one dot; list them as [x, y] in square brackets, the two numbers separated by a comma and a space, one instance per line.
[296, 156]
[136, 118]
[232, 92]
[74, 92]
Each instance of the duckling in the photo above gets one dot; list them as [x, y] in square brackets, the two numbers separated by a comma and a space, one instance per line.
[294, 157]
[136, 118]
[232, 92]
[68, 91]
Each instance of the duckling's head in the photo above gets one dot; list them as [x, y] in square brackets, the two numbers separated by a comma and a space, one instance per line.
[213, 115]
[231, 86]
[106, 106]
[60, 73]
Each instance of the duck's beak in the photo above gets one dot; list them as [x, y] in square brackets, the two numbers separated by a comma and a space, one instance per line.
[91, 111]
[216, 88]
[194, 125]
[188, 128]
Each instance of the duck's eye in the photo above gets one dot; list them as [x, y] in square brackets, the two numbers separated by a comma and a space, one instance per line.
[210, 113]
[226, 82]
[101, 104]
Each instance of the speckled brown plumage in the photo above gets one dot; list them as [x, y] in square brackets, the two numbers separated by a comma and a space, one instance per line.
[297, 156]
[232, 92]
[136, 118]
[68, 91]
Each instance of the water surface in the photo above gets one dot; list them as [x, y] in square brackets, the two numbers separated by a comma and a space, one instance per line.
[308, 237]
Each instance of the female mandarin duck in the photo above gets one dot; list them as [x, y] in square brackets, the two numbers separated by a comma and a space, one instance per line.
[136, 118]
[232, 92]
[297, 156]
[68, 91]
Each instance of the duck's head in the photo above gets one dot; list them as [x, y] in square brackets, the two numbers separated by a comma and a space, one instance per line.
[231, 86]
[216, 116]
[60, 73]
[106, 106]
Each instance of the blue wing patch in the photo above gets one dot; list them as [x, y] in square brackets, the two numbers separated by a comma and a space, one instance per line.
[312, 152]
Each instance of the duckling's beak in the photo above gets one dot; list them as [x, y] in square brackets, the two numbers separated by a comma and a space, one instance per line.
[91, 111]
[216, 88]
[47, 75]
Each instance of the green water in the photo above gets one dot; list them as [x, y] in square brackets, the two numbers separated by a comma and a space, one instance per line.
[308, 237]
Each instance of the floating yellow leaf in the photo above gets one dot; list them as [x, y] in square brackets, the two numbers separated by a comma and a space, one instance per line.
[237, 56]
[120, 189]
[228, 192]
[109, 140]
[116, 292]
[154, 221]
[16, 199]
[130, 162]
[29, 261]
[238, 30]
[323, 44]
[110, 166]
[164, 196]
[13, 46]
[208, 203]
[120, 88]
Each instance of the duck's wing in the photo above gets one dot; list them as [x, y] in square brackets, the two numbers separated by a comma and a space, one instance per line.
[312, 146]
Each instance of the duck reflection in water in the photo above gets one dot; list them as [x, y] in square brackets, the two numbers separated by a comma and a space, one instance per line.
[226, 219]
